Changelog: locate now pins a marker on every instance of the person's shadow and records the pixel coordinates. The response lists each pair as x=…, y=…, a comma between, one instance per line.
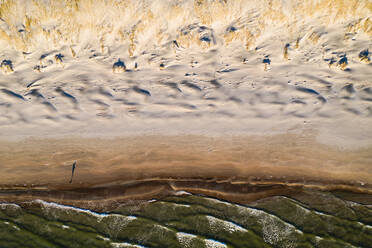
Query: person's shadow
x=73, y=170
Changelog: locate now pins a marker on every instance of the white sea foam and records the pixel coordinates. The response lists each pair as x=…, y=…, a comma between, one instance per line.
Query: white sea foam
x=182, y=193
x=185, y=239
x=9, y=206
x=52, y=205
x=211, y=243
x=218, y=224
x=126, y=245
x=117, y=221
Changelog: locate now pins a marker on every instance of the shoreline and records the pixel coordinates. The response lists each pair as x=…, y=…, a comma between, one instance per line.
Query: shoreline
x=237, y=169
x=106, y=198
x=99, y=161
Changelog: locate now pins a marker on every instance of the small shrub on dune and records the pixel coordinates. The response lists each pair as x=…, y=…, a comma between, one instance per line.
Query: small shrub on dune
x=7, y=66
x=364, y=56
x=118, y=67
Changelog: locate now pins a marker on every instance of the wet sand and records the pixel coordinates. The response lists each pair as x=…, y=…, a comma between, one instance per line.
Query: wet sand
x=239, y=169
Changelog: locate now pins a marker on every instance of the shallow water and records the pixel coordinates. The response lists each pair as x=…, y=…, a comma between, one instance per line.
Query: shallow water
x=311, y=219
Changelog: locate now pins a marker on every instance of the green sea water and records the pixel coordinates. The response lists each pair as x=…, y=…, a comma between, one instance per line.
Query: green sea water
x=315, y=219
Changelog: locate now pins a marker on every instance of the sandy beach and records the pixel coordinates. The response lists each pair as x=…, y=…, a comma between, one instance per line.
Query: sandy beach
x=240, y=169
x=221, y=91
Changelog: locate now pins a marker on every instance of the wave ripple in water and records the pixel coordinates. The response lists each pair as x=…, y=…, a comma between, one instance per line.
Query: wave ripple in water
x=192, y=221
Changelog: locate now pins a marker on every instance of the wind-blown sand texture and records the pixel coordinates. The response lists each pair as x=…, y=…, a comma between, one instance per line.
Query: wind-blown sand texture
x=197, y=95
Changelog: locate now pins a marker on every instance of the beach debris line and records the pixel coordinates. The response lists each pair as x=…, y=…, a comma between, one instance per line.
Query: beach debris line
x=73, y=170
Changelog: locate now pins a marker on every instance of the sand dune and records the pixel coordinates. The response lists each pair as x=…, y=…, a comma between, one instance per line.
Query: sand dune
x=322, y=74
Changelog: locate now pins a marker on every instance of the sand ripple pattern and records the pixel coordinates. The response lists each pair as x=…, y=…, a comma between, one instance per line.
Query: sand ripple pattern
x=214, y=60
x=236, y=94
